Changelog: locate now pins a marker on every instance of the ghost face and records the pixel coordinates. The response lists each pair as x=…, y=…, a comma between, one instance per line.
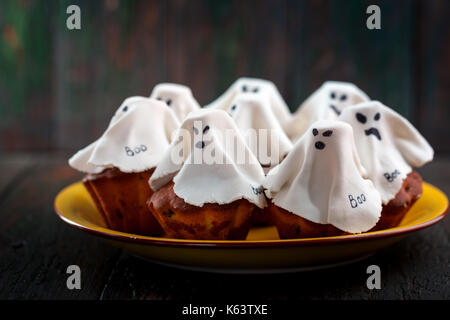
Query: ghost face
x=166, y=99
x=199, y=133
x=249, y=88
x=170, y=94
x=370, y=122
x=338, y=99
x=176, y=97
x=319, y=144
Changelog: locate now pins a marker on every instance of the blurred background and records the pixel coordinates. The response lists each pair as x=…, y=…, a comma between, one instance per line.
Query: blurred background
x=59, y=87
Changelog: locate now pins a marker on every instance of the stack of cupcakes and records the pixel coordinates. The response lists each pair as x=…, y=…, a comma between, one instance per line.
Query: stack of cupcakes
x=341, y=164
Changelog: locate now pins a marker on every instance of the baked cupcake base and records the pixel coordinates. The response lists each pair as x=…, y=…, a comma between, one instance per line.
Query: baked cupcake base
x=181, y=220
x=395, y=210
x=292, y=226
x=121, y=199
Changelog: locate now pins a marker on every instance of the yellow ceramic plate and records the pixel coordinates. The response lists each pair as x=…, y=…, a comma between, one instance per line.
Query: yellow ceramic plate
x=263, y=251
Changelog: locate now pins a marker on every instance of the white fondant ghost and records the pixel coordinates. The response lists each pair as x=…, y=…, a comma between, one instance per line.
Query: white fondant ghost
x=210, y=162
x=177, y=97
x=79, y=161
x=255, y=86
x=137, y=136
x=321, y=180
x=388, y=145
x=260, y=129
x=326, y=103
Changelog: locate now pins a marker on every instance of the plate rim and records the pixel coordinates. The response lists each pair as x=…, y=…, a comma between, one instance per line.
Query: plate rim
x=168, y=242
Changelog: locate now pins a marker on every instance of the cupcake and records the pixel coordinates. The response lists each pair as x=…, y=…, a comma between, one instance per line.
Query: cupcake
x=319, y=189
x=120, y=162
x=256, y=87
x=177, y=97
x=208, y=183
x=389, y=147
x=326, y=103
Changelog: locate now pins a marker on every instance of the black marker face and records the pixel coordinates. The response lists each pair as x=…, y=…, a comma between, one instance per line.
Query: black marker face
x=372, y=130
x=201, y=144
x=246, y=88
x=125, y=109
x=361, y=118
x=320, y=145
x=338, y=101
x=168, y=101
x=232, y=110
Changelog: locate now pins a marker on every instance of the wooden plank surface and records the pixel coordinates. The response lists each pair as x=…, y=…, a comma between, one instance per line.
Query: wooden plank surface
x=36, y=248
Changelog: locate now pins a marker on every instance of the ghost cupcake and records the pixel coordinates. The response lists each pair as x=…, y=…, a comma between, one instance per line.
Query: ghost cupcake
x=319, y=189
x=389, y=147
x=326, y=103
x=122, y=160
x=208, y=182
x=177, y=97
x=256, y=87
x=263, y=135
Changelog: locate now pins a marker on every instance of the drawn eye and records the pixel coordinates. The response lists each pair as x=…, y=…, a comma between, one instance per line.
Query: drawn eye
x=315, y=132
x=233, y=108
x=169, y=102
x=244, y=88
x=124, y=109
x=343, y=97
x=361, y=118
x=332, y=95
x=206, y=129
x=158, y=98
x=255, y=90
x=377, y=116
x=200, y=145
x=327, y=133
x=195, y=130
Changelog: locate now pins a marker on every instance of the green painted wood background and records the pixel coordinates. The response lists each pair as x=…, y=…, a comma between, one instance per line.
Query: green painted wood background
x=59, y=88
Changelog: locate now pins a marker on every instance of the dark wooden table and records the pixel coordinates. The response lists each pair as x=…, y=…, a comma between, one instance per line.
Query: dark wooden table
x=36, y=248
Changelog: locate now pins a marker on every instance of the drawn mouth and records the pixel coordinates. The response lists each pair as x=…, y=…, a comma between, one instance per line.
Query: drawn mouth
x=319, y=145
x=338, y=112
x=373, y=131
